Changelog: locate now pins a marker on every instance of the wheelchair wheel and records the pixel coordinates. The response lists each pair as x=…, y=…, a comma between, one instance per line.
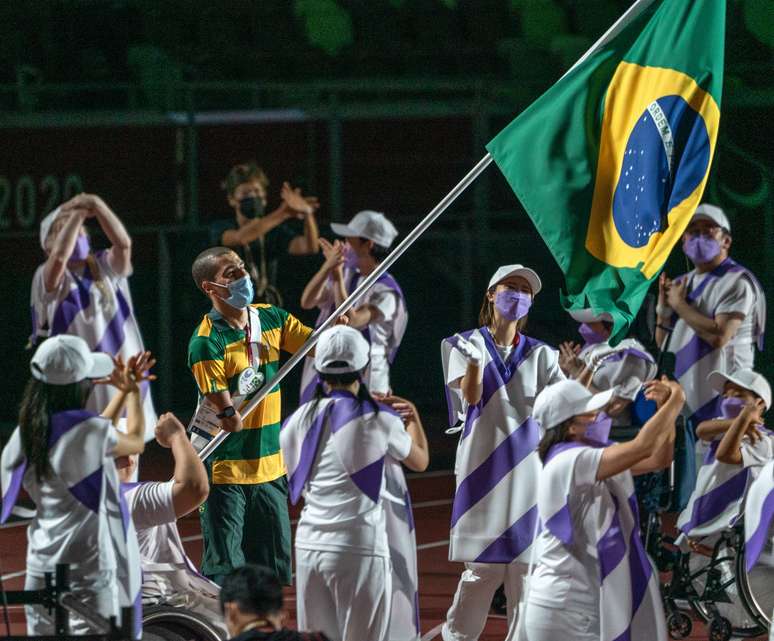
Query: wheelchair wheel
x=679, y=625
x=177, y=624
x=757, y=586
x=718, y=583
x=719, y=629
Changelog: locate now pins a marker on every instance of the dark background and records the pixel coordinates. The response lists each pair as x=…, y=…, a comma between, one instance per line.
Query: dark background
x=381, y=104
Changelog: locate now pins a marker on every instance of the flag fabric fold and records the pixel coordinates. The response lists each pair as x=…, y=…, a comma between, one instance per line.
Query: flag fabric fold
x=611, y=162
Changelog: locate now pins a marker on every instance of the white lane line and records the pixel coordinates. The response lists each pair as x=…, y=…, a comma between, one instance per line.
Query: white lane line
x=14, y=575
x=434, y=544
x=432, y=503
x=432, y=634
x=5, y=526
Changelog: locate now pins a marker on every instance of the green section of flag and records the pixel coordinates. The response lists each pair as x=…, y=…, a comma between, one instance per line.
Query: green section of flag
x=549, y=153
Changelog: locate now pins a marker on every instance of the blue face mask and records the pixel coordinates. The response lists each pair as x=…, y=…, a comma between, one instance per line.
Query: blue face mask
x=241, y=291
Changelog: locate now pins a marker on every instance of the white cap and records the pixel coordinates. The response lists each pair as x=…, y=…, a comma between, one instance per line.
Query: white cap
x=516, y=270
x=373, y=225
x=706, y=211
x=565, y=399
x=746, y=378
x=66, y=359
x=45, y=225
x=341, y=344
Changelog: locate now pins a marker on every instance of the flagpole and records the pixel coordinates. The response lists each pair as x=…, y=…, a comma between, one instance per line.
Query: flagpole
x=361, y=289
x=630, y=14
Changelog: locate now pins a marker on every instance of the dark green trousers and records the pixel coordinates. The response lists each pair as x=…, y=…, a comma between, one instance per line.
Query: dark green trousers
x=246, y=524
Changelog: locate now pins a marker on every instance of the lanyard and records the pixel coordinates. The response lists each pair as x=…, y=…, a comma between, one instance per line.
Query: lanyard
x=249, y=338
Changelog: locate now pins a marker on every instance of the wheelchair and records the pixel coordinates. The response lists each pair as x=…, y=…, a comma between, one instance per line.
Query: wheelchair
x=716, y=587
x=168, y=623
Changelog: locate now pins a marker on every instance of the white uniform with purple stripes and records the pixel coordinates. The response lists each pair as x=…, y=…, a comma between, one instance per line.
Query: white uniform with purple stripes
x=494, y=511
x=82, y=518
x=383, y=334
x=101, y=314
x=626, y=366
x=729, y=288
x=169, y=577
x=355, y=543
x=716, y=501
x=593, y=579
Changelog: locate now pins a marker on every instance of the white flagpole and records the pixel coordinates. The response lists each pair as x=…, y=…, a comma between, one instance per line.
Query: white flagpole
x=382, y=267
x=635, y=10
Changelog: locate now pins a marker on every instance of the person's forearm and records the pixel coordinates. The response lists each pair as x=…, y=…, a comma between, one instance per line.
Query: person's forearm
x=706, y=327
x=417, y=433
x=222, y=400
x=311, y=233
x=189, y=469
x=259, y=227
x=651, y=433
x=471, y=384
x=708, y=430
x=133, y=440
x=359, y=317
x=312, y=293
x=113, y=410
x=113, y=227
x=61, y=250
x=730, y=445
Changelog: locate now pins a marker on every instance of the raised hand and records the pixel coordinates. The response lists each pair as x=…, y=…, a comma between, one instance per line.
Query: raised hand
x=472, y=352
x=140, y=365
x=296, y=201
x=333, y=252
x=676, y=293
x=402, y=406
x=168, y=428
x=569, y=361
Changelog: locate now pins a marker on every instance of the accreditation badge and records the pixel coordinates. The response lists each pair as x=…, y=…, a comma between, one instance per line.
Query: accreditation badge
x=250, y=381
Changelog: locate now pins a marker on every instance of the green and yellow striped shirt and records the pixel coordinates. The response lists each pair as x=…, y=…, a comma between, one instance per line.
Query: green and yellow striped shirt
x=217, y=354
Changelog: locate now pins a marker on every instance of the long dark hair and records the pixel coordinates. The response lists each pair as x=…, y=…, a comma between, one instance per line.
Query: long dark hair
x=41, y=401
x=553, y=436
x=346, y=378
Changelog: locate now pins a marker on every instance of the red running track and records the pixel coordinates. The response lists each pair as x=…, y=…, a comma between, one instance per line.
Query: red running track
x=431, y=494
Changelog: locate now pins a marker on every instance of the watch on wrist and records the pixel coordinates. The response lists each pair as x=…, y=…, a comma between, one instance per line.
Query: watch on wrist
x=227, y=412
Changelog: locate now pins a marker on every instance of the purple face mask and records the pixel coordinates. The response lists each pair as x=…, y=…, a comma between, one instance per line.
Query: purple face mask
x=598, y=432
x=701, y=249
x=731, y=406
x=513, y=305
x=350, y=257
x=590, y=336
x=81, y=249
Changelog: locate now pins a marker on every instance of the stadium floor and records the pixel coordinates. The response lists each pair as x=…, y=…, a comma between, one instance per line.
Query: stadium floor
x=431, y=494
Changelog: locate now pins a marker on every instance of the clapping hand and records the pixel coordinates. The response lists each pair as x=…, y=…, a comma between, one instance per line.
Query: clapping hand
x=334, y=254
x=569, y=361
x=660, y=390
x=126, y=377
x=294, y=200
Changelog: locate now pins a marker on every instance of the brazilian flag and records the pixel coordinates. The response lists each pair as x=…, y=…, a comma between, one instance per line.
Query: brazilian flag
x=611, y=162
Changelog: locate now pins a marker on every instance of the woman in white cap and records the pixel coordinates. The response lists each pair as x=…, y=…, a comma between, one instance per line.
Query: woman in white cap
x=593, y=579
x=736, y=446
x=341, y=451
x=380, y=314
x=492, y=375
x=84, y=292
x=64, y=455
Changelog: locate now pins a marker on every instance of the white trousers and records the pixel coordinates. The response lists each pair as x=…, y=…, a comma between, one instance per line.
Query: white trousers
x=345, y=596
x=467, y=615
x=559, y=624
x=98, y=592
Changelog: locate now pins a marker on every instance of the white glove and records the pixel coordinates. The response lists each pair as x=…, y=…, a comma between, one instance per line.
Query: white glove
x=471, y=352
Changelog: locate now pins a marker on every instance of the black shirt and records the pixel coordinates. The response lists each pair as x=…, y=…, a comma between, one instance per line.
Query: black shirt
x=279, y=635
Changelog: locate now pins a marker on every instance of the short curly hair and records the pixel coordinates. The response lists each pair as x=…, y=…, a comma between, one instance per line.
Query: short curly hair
x=244, y=173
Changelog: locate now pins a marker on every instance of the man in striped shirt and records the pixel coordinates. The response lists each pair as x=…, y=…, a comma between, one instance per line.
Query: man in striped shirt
x=245, y=519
